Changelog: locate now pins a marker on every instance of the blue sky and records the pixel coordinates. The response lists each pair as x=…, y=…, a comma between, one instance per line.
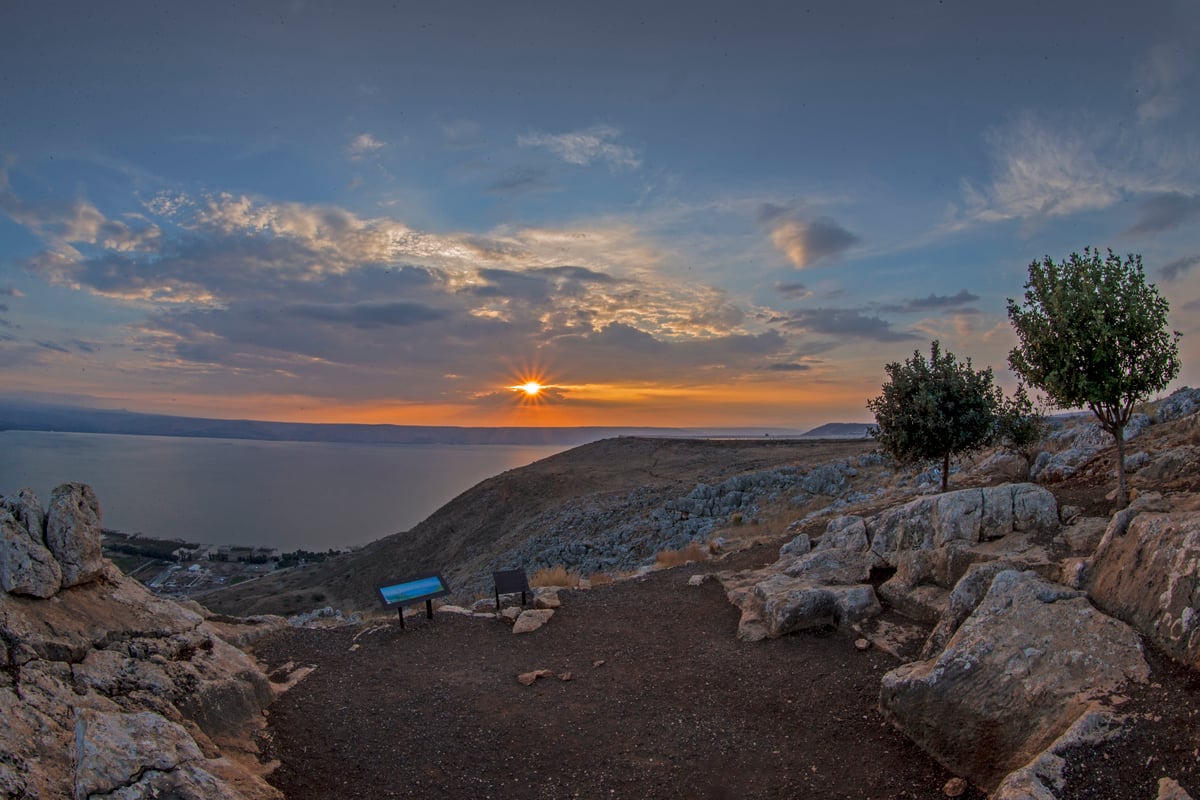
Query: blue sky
x=670, y=213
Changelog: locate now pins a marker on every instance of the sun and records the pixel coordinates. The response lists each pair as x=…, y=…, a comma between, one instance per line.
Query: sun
x=532, y=389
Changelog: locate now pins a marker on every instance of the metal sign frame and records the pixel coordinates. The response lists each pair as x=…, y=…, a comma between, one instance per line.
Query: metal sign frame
x=412, y=590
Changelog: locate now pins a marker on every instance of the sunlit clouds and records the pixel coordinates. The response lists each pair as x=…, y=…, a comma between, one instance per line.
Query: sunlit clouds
x=614, y=214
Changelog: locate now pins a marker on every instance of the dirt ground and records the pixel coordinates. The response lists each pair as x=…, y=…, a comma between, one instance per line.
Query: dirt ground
x=662, y=702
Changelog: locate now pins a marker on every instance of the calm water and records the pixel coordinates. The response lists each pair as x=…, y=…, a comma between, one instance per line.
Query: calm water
x=232, y=491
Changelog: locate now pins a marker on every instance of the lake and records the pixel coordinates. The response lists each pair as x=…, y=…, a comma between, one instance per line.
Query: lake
x=288, y=495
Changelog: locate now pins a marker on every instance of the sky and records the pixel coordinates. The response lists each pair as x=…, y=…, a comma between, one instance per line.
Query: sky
x=665, y=213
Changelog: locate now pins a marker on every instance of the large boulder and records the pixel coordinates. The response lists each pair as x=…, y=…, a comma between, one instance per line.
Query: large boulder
x=26, y=507
x=73, y=533
x=1147, y=573
x=969, y=515
x=1030, y=645
x=26, y=565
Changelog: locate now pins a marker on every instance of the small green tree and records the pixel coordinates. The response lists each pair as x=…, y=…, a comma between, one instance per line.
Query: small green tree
x=1094, y=334
x=1020, y=426
x=935, y=409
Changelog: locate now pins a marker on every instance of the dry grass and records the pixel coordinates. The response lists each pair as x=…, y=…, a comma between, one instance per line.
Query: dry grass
x=555, y=576
x=674, y=558
x=600, y=578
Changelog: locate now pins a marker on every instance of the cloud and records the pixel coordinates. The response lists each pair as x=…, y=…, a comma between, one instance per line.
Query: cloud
x=368, y=315
x=1158, y=80
x=583, y=147
x=1179, y=267
x=845, y=323
x=788, y=366
x=1165, y=212
x=793, y=291
x=8, y=291
x=524, y=180
x=808, y=242
x=363, y=145
x=934, y=302
x=1042, y=171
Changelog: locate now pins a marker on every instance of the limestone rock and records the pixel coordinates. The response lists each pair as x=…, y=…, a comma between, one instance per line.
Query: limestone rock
x=1030, y=645
x=26, y=566
x=969, y=515
x=844, y=533
x=1149, y=576
x=532, y=620
x=530, y=678
x=27, y=509
x=113, y=749
x=1169, y=789
x=966, y=596
x=1181, y=402
x=1084, y=534
x=1175, y=463
x=1043, y=777
x=793, y=604
x=796, y=547
x=546, y=597
x=73, y=533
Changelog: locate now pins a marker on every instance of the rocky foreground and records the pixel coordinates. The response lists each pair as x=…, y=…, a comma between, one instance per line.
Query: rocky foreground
x=1020, y=616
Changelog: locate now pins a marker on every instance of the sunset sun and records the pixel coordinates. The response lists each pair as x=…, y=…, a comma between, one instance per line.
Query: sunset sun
x=531, y=388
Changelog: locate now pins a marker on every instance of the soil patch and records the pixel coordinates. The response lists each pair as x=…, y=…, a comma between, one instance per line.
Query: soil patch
x=663, y=702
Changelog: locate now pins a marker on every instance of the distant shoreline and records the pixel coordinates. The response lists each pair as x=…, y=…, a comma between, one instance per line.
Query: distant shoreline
x=28, y=416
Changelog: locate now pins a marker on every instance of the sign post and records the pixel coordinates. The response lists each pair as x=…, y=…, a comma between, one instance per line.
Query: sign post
x=401, y=593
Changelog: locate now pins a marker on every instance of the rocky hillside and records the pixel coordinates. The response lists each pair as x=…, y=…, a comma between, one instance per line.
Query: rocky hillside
x=607, y=507
x=106, y=690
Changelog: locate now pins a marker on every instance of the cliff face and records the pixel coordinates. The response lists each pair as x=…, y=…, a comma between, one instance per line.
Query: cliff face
x=105, y=687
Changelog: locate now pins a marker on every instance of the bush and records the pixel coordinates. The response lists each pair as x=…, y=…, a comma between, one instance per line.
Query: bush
x=555, y=576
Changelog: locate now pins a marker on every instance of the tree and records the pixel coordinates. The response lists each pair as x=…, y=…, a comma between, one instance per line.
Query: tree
x=935, y=409
x=1020, y=426
x=1094, y=334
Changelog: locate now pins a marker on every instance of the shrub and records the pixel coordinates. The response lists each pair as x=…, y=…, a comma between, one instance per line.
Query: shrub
x=555, y=576
x=674, y=558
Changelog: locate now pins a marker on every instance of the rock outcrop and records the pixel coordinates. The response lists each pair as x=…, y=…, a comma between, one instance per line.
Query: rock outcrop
x=1031, y=646
x=1146, y=571
x=930, y=542
x=105, y=689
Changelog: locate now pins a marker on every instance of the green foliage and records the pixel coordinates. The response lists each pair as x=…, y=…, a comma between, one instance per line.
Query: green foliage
x=1094, y=334
x=1020, y=425
x=935, y=409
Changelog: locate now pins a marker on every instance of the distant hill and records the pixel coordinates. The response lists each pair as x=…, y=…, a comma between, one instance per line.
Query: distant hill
x=30, y=416
x=840, y=430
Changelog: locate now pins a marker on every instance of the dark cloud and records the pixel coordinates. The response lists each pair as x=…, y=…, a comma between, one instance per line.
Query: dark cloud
x=1192, y=305
x=788, y=366
x=1164, y=212
x=368, y=315
x=51, y=346
x=84, y=347
x=1179, y=267
x=522, y=181
x=7, y=292
x=3, y=308
x=795, y=291
x=503, y=283
x=803, y=240
x=846, y=323
x=934, y=302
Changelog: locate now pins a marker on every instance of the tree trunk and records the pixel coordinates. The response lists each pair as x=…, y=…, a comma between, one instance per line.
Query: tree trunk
x=1122, y=486
x=945, y=471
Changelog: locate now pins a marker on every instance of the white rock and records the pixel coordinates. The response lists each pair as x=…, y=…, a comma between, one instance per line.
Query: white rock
x=532, y=620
